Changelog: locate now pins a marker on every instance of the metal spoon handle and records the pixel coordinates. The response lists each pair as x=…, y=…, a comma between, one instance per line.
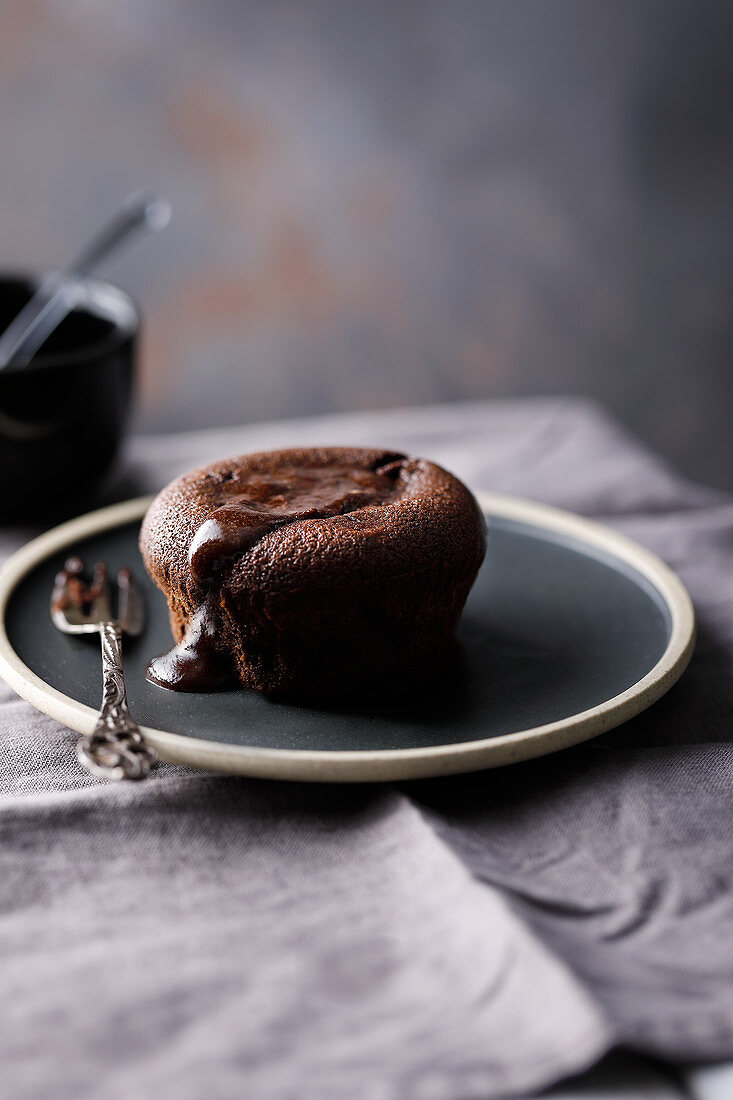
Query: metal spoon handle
x=139, y=211
x=61, y=291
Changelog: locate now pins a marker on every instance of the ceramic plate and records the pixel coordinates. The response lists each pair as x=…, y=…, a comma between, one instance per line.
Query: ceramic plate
x=570, y=630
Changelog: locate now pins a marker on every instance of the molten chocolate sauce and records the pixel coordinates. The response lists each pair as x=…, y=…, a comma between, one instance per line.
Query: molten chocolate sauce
x=271, y=500
x=194, y=664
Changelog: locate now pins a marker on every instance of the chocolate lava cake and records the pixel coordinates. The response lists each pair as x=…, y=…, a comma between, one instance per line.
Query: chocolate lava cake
x=310, y=572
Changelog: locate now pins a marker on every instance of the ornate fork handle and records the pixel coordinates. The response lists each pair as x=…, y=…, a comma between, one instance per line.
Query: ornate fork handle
x=116, y=748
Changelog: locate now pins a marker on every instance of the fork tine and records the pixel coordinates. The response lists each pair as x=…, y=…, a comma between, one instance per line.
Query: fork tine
x=70, y=599
x=74, y=566
x=61, y=599
x=101, y=606
x=70, y=580
x=131, y=610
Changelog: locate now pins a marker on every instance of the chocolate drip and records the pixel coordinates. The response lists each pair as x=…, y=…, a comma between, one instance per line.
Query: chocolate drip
x=194, y=664
x=270, y=501
x=228, y=531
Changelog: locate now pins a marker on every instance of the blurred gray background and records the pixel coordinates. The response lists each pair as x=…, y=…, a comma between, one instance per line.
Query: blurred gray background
x=380, y=203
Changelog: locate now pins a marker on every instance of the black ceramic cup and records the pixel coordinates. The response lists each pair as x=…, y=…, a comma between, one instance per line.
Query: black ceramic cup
x=62, y=416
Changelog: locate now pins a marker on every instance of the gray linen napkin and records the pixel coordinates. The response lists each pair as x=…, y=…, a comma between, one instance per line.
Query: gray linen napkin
x=481, y=936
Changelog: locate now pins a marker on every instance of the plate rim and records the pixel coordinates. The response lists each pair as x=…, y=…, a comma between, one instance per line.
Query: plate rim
x=375, y=765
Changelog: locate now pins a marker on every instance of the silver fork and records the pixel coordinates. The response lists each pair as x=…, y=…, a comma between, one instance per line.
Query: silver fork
x=116, y=748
